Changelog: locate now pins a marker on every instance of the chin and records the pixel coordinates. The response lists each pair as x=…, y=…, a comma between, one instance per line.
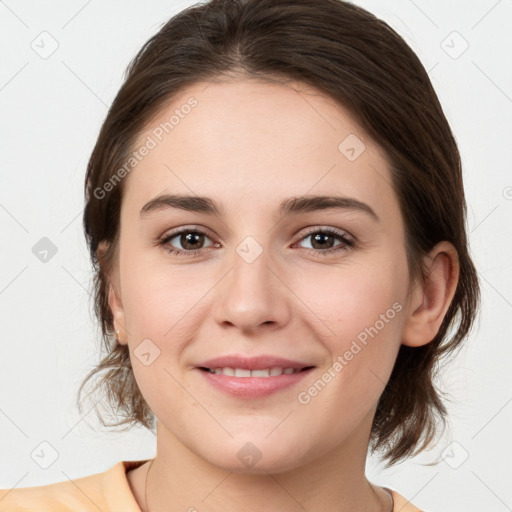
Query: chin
x=256, y=458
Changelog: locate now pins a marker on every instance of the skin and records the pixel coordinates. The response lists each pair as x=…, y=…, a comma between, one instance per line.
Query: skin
x=248, y=145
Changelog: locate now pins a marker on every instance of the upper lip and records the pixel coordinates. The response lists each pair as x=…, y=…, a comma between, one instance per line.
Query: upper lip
x=252, y=363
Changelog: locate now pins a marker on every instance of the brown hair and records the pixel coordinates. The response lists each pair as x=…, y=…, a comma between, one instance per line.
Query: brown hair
x=362, y=63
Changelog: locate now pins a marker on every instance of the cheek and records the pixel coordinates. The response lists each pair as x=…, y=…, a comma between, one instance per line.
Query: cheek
x=347, y=301
x=358, y=319
x=156, y=295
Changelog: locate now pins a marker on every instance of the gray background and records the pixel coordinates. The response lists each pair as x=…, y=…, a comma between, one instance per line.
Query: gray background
x=52, y=107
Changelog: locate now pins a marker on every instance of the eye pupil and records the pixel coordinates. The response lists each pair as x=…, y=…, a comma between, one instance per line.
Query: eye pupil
x=321, y=239
x=191, y=237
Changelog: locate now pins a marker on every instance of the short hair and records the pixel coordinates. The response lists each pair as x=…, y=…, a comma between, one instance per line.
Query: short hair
x=363, y=64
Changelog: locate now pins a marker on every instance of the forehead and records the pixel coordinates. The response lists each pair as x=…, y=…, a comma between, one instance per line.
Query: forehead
x=254, y=142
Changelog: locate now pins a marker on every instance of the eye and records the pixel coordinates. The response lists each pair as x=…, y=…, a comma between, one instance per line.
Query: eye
x=190, y=239
x=323, y=239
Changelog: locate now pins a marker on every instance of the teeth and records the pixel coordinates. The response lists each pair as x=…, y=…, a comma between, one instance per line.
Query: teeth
x=243, y=372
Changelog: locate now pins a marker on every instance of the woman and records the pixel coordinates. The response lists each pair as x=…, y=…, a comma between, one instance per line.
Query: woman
x=275, y=214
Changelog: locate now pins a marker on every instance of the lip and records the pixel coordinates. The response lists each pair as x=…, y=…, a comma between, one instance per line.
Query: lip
x=252, y=363
x=253, y=387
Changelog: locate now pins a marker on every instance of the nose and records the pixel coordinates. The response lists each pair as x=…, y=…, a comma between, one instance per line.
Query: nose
x=253, y=293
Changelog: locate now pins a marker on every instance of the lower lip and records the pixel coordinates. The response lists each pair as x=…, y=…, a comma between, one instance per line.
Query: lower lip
x=253, y=387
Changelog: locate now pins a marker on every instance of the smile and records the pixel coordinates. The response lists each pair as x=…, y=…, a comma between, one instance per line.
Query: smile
x=243, y=372
x=252, y=384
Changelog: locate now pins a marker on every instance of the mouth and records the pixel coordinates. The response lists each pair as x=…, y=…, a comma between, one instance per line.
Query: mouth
x=275, y=371
x=253, y=377
x=258, y=383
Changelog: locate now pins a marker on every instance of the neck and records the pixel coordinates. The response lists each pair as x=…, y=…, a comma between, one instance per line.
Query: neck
x=180, y=477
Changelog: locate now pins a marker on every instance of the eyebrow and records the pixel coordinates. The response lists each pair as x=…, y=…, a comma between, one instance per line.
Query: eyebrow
x=290, y=206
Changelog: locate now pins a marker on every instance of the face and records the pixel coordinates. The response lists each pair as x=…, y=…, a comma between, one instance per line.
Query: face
x=323, y=287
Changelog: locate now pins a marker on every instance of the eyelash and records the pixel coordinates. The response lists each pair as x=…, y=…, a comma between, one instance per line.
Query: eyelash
x=347, y=243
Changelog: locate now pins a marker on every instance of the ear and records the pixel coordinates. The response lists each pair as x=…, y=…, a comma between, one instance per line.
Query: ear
x=431, y=298
x=114, y=297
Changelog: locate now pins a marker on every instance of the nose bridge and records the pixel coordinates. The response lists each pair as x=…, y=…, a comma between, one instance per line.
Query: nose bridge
x=250, y=294
x=251, y=272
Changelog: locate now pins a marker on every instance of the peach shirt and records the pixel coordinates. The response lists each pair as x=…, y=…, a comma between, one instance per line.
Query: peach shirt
x=106, y=492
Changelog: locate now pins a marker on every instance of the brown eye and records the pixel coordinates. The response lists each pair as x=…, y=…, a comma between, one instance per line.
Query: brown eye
x=191, y=242
x=323, y=241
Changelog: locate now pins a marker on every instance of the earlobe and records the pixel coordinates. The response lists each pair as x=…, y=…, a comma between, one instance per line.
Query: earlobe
x=432, y=298
x=116, y=308
x=114, y=301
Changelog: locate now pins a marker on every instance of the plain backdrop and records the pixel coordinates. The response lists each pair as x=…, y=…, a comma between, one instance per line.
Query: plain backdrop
x=62, y=63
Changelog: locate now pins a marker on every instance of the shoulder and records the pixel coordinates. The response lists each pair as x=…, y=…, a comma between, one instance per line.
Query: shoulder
x=101, y=491
x=402, y=504
x=80, y=494
x=84, y=494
